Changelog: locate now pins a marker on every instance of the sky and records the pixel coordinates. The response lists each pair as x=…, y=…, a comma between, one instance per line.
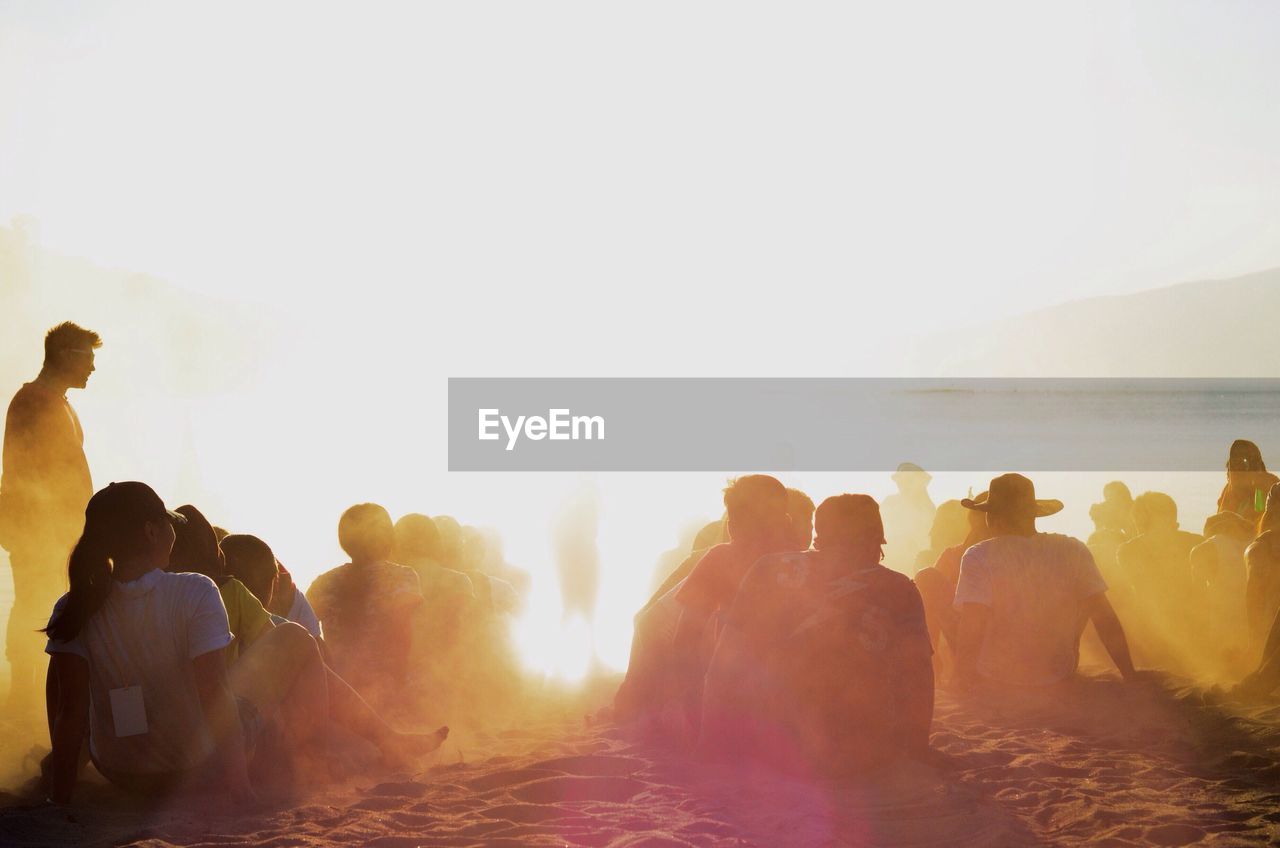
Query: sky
x=805, y=166
x=407, y=192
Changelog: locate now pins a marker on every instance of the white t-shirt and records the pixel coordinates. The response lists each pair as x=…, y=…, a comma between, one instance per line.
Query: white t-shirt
x=1036, y=587
x=146, y=635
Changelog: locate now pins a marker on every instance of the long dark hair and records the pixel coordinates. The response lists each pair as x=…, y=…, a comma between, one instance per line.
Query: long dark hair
x=196, y=547
x=89, y=570
x=114, y=525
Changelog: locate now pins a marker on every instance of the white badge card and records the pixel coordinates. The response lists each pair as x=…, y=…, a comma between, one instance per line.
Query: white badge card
x=128, y=712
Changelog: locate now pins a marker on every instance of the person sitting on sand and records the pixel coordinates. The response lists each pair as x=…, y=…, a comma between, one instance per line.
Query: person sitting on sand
x=937, y=586
x=654, y=625
x=908, y=515
x=1262, y=600
x=196, y=550
x=418, y=545
x=800, y=512
x=1248, y=481
x=799, y=516
x=243, y=568
x=758, y=524
x=823, y=665
x=139, y=663
x=479, y=556
x=1262, y=567
x=1113, y=525
x=251, y=561
x=1156, y=568
x=452, y=631
x=1218, y=572
x=1024, y=596
x=366, y=606
x=667, y=650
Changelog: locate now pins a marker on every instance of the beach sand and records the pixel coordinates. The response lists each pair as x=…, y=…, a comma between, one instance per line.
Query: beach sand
x=1105, y=763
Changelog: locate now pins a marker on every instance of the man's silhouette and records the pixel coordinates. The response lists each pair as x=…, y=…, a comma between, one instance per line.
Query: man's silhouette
x=908, y=515
x=43, y=492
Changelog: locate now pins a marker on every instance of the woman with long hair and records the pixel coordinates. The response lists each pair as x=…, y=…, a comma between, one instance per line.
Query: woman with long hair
x=139, y=663
x=1248, y=481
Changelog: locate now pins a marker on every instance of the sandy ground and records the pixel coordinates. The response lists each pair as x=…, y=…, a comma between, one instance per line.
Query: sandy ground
x=1100, y=762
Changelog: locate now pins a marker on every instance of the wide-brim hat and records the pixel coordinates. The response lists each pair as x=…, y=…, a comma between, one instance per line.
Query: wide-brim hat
x=1013, y=494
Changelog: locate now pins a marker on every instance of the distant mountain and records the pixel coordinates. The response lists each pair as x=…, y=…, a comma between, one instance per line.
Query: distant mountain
x=1210, y=328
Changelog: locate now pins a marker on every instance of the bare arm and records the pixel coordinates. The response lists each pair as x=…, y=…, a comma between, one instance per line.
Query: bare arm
x=223, y=716
x=1111, y=632
x=973, y=631
x=70, y=723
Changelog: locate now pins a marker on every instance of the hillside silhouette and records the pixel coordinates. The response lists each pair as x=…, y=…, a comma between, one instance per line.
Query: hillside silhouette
x=1208, y=328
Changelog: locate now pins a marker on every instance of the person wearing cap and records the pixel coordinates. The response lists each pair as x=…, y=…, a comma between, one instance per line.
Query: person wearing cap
x=140, y=652
x=823, y=665
x=139, y=662
x=908, y=516
x=1024, y=596
x=43, y=491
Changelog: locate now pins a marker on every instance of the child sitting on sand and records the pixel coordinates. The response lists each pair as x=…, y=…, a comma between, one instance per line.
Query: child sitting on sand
x=823, y=665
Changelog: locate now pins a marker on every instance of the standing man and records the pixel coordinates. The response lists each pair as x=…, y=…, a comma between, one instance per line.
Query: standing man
x=44, y=488
x=908, y=516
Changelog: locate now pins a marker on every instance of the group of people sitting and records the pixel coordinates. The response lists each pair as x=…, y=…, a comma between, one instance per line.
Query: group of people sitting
x=792, y=641
x=184, y=656
x=1198, y=603
x=805, y=651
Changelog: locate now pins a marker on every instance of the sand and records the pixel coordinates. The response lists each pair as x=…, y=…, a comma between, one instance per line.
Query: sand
x=1102, y=762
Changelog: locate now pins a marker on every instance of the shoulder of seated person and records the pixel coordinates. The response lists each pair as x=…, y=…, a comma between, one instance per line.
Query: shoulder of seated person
x=326, y=577
x=190, y=578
